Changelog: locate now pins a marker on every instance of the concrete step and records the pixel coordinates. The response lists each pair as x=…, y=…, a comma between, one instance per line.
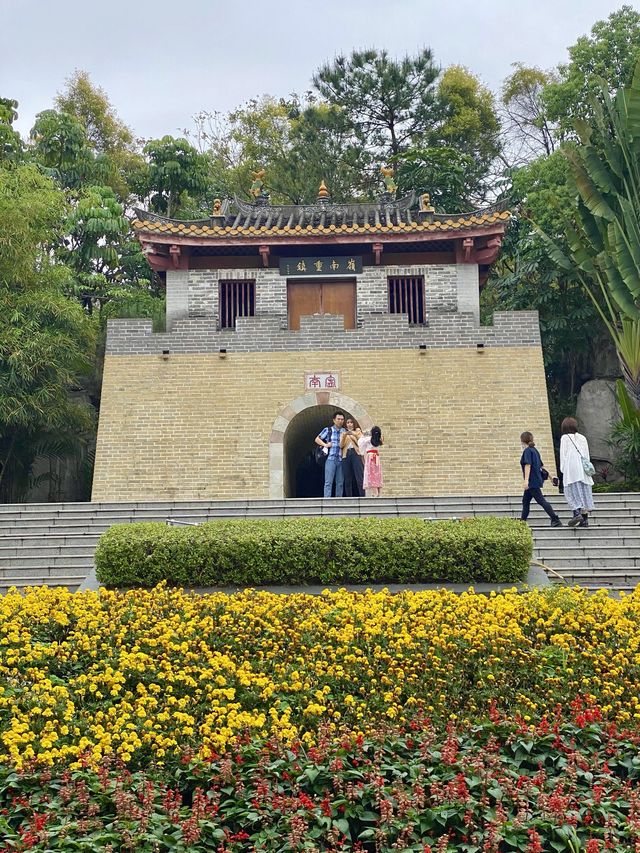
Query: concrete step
x=490, y=503
x=43, y=569
x=8, y=552
x=51, y=542
x=69, y=581
x=80, y=523
x=24, y=561
x=582, y=549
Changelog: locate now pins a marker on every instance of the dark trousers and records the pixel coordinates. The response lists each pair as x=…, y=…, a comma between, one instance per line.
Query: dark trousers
x=537, y=496
x=353, y=474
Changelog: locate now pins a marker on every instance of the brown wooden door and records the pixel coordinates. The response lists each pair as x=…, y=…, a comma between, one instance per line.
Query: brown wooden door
x=339, y=297
x=321, y=297
x=303, y=298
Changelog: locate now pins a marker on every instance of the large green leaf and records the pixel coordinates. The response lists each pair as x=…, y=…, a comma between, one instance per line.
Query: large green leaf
x=589, y=192
x=598, y=171
x=628, y=345
x=633, y=104
x=582, y=255
x=630, y=414
x=627, y=258
x=591, y=227
x=555, y=252
x=617, y=287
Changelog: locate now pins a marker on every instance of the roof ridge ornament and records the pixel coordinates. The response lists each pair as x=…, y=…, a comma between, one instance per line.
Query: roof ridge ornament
x=426, y=211
x=390, y=186
x=258, y=189
x=324, y=196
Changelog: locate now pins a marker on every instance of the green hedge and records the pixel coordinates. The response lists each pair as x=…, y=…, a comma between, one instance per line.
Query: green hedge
x=315, y=550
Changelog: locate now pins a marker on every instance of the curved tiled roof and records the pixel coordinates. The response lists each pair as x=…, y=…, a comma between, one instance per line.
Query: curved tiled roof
x=260, y=221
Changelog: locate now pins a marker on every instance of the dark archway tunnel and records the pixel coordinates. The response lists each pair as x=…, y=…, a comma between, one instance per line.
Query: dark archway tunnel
x=303, y=477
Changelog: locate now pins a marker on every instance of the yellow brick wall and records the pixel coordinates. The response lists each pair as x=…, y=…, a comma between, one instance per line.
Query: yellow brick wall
x=198, y=426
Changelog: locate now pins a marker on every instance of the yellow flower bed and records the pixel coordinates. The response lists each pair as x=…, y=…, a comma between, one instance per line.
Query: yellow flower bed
x=148, y=672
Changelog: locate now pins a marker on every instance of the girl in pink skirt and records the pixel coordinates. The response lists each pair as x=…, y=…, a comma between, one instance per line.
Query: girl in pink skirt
x=369, y=448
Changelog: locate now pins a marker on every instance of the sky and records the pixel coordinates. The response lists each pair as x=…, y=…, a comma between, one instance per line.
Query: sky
x=162, y=62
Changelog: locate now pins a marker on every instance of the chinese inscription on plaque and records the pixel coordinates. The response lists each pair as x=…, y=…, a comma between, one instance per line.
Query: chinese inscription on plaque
x=321, y=381
x=338, y=265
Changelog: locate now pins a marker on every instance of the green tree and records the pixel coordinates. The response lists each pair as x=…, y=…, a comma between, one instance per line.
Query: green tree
x=299, y=144
x=447, y=174
x=60, y=144
x=389, y=102
x=104, y=130
x=177, y=175
x=525, y=278
x=529, y=132
x=106, y=134
x=609, y=54
x=11, y=147
x=466, y=119
x=603, y=236
x=32, y=214
x=453, y=158
x=46, y=340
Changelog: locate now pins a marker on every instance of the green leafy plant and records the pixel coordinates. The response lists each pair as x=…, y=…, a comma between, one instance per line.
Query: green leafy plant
x=314, y=550
x=626, y=435
x=604, y=236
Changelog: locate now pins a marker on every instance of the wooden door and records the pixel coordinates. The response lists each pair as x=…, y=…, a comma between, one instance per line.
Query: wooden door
x=321, y=297
x=339, y=297
x=303, y=298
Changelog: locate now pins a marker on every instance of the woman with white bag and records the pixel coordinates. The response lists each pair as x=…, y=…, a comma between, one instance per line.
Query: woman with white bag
x=576, y=470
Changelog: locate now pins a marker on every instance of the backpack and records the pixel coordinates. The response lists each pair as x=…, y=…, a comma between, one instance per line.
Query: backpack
x=320, y=453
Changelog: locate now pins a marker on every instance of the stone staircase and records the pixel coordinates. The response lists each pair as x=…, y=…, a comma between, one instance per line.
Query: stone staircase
x=54, y=543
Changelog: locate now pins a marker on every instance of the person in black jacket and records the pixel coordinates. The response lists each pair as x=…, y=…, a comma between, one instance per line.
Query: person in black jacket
x=531, y=465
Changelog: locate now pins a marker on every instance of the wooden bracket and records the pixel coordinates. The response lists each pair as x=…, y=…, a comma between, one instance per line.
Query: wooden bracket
x=467, y=248
x=489, y=253
x=264, y=253
x=174, y=251
x=377, y=252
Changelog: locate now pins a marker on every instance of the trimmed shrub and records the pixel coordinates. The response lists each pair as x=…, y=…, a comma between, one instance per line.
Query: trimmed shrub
x=315, y=550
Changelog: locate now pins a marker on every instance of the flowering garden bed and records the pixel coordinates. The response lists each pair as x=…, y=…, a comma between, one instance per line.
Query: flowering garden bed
x=155, y=721
x=496, y=787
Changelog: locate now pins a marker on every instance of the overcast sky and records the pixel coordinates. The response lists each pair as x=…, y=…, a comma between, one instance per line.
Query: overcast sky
x=161, y=62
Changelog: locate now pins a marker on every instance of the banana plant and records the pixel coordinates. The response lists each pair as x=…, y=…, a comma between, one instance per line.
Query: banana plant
x=603, y=235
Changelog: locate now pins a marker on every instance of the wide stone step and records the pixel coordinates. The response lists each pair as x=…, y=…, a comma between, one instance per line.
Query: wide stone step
x=83, y=522
x=84, y=561
x=44, y=542
x=586, y=549
x=69, y=581
x=8, y=552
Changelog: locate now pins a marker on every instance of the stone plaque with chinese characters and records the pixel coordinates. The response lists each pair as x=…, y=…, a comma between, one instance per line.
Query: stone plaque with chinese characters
x=338, y=265
x=321, y=381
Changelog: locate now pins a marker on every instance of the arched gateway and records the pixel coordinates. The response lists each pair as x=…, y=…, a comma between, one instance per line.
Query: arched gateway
x=292, y=440
x=325, y=305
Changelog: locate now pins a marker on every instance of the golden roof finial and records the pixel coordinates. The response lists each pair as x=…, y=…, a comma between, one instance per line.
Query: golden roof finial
x=425, y=204
x=323, y=191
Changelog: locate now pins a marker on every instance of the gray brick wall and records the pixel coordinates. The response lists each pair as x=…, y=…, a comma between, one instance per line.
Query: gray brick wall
x=177, y=296
x=268, y=333
x=441, y=289
x=468, y=289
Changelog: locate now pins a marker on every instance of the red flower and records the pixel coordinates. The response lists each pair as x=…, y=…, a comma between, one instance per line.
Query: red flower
x=534, y=845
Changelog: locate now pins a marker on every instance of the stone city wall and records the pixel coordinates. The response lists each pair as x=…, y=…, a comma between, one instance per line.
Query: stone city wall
x=198, y=425
x=268, y=333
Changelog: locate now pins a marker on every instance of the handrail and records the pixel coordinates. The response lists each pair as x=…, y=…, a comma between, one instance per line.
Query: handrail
x=549, y=569
x=178, y=523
